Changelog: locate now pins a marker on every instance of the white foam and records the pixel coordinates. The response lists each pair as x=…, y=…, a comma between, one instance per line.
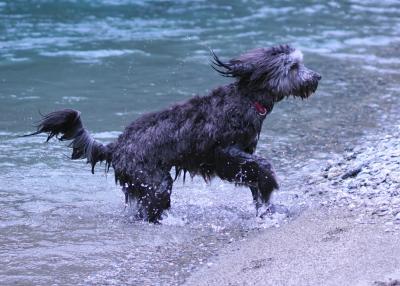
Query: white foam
x=74, y=98
x=92, y=55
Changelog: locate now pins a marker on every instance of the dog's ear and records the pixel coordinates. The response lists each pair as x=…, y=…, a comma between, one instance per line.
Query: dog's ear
x=254, y=66
x=233, y=68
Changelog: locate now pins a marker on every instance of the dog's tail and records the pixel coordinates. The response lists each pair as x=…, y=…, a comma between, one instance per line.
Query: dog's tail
x=67, y=122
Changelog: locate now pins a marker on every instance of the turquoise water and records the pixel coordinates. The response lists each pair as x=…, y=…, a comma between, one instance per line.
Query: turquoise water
x=115, y=60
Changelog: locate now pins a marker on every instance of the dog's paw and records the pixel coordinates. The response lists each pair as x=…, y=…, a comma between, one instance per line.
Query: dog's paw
x=271, y=209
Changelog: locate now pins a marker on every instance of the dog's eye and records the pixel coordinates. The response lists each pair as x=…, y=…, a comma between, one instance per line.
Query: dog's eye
x=294, y=66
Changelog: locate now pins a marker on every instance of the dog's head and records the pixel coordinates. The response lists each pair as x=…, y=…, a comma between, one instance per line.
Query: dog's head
x=278, y=71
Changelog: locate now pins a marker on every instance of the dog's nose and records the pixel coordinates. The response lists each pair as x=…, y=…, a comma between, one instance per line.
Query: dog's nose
x=318, y=76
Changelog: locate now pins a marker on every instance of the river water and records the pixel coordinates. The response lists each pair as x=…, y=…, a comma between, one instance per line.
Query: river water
x=115, y=60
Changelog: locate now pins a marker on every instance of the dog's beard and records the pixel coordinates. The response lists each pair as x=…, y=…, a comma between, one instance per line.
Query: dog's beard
x=305, y=90
x=305, y=83
x=302, y=92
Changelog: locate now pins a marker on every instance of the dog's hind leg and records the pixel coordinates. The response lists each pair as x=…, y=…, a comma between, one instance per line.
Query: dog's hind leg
x=235, y=165
x=152, y=193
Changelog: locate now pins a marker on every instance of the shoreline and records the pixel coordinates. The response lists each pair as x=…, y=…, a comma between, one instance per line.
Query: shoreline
x=350, y=236
x=324, y=246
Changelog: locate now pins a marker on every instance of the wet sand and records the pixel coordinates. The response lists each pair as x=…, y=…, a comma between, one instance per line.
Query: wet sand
x=324, y=246
x=351, y=237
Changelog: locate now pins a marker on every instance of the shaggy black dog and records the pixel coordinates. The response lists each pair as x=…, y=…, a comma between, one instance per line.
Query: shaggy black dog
x=213, y=135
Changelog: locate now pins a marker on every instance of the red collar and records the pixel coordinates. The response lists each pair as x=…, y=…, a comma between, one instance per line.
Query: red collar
x=261, y=109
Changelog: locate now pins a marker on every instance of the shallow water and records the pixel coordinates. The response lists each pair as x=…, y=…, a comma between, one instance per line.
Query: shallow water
x=115, y=60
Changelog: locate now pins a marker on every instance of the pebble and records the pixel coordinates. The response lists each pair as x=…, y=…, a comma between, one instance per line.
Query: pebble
x=365, y=179
x=352, y=173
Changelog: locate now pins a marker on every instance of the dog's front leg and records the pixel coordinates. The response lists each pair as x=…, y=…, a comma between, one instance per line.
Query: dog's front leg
x=235, y=165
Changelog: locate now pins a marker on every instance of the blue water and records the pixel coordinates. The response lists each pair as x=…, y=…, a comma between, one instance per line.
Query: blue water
x=115, y=60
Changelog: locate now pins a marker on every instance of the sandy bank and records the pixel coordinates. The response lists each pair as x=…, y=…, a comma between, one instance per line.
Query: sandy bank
x=352, y=237
x=325, y=246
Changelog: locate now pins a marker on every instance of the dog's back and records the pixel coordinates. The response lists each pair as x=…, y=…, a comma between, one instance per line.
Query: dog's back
x=185, y=135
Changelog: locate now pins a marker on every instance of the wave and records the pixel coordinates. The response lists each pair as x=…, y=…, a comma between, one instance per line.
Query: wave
x=93, y=55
